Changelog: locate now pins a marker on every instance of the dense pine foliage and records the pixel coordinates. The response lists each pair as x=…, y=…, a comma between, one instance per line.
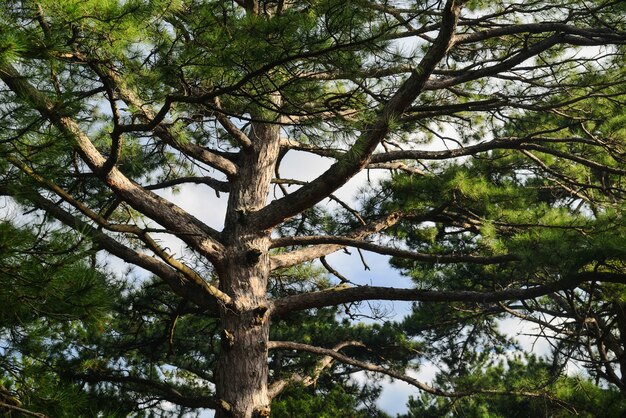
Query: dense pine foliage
x=492, y=134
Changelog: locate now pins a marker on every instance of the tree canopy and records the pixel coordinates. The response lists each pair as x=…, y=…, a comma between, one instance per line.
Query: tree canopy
x=496, y=133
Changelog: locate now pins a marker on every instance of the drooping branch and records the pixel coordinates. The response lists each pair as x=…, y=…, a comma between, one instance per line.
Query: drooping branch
x=556, y=174
x=587, y=327
x=511, y=143
x=424, y=112
x=523, y=55
x=574, y=158
x=324, y=363
x=503, y=143
x=603, y=34
x=198, y=292
x=164, y=390
x=288, y=345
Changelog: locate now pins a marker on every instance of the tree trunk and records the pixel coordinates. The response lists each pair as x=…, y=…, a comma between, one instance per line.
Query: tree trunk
x=242, y=373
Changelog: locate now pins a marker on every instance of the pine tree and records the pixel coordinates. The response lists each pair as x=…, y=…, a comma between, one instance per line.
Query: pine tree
x=498, y=124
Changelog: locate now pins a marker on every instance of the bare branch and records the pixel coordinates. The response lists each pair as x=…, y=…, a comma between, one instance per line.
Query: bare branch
x=396, y=252
x=277, y=387
x=312, y=252
x=331, y=196
x=287, y=345
x=218, y=186
x=332, y=271
x=4, y=405
x=230, y=127
x=341, y=295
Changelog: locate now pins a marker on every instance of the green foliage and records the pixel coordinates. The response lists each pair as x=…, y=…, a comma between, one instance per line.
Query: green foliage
x=527, y=387
x=338, y=401
x=50, y=298
x=45, y=274
x=546, y=195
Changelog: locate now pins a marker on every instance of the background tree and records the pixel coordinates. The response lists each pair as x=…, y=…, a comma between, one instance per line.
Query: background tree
x=499, y=123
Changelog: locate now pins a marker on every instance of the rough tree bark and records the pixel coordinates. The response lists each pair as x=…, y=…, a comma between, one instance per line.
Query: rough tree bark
x=242, y=373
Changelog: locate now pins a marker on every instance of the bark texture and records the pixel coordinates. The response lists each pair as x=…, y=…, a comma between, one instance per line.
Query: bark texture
x=242, y=372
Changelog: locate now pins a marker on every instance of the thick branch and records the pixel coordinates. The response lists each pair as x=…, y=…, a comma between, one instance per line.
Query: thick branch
x=302, y=255
x=188, y=228
x=338, y=296
x=218, y=186
x=360, y=153
x=197, y=292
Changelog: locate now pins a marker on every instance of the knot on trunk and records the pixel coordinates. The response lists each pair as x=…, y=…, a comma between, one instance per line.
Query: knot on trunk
x=241, y=216
x=262, y=412
x=253, y=256
x=228, y=339
x=225, y=406
x=259, y=314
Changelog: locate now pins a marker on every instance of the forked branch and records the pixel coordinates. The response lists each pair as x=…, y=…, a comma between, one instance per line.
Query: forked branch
x=191, y=230
x=361, y=151
x=324, y=363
